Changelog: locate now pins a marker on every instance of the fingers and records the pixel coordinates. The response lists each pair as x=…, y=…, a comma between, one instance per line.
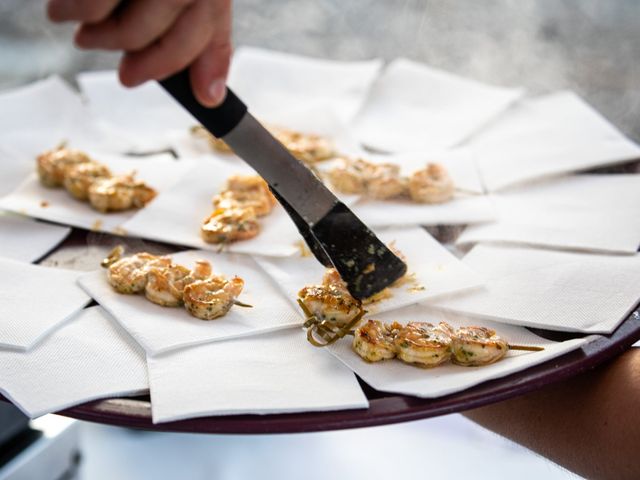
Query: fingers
x=202, y=35
x=209, y=71
x=80, y=10
x=137, y=25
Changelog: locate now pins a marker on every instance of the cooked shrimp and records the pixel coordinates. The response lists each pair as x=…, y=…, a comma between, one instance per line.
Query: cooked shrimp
x=332, y=277
x=373, y=341
x=431, y=185
x=474, y=346
x=350, y=175
x=246, y=191
x=52, y=165
x=119, y=193
x=230, y=225
x=423, y=344
x=211, y=298
x=216, y=144
x=307, y=147
x=165, y=284
x=81, y=176
x=384, y=182
x=331, y=303
x=129, y=274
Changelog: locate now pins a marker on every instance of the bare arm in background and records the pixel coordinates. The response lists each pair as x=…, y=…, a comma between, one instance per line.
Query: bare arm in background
x=589, y=424
x=158, y=38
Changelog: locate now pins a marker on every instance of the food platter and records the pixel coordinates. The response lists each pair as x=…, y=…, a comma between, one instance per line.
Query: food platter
x=83, y=249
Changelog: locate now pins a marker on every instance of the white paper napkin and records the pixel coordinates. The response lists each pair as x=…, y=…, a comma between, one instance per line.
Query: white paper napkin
x=574, y=292
x=55, y=204
x=398, y=377
x=143, y=115
x=184, y=206
x=34, y=300
x=27, y=240
x=548, y=135
x=469, y=204
x=434, y=270
x=586, y=212
x=160, y=329
x=414, y=107
x=89, y=358
x=15, y=167
x=43, y=114
x=279, y=372
x=287, y=79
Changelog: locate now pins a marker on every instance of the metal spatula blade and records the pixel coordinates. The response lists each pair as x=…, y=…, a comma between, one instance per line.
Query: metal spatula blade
x=335, y=235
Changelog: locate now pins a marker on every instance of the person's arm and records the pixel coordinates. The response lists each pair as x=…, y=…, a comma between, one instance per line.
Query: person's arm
x=158, y=38
x=589, y=424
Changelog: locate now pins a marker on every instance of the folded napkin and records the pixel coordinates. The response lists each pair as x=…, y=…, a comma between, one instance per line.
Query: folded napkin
x=413, y=107
x=574, y=292
x=143, y=115
x=545, y=136
x=35, y=300
x=188, y=203
x=584, y=212
x=89, y=358
x=469, y=204
x=27, y=240
x=278, y=372
x=398, y=377
x=45, y=113
x=287, y=79
x=432, y=271
x=55, y=204
x=159, y=329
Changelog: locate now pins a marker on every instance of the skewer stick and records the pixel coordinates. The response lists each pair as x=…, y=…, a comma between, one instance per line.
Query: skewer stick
x=527, y=348
x=241, y=304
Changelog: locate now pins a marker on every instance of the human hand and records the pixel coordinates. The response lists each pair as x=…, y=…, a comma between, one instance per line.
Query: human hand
x=158, y=38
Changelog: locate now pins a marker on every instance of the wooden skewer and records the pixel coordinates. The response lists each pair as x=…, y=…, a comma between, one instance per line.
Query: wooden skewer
x=240, y=304
x=526, y=348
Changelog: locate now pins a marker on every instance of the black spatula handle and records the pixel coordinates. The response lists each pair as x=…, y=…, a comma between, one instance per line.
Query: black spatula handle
x=219, y=120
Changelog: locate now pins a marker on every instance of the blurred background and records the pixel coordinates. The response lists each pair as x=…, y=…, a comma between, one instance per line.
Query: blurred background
x=589, y=46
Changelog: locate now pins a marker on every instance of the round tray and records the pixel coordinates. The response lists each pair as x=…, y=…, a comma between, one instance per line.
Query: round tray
x=84, y=249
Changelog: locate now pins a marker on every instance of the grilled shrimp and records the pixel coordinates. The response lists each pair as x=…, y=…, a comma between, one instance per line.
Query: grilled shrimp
x=475, y=346
x=331, y=303
x=246, y=191
x=230, y=225
x=350, y=175
x=129, y=274
x=213, y=297
x=423, y=344
x=384, y=182
x=306, y=147
x=53, y=164
x=119, y=193
x=165, y=284
x=216, y=144
x=373, y=341
x=431, y=185
x=81, y=176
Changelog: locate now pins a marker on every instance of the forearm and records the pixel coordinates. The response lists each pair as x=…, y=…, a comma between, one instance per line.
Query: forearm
x=589, y=424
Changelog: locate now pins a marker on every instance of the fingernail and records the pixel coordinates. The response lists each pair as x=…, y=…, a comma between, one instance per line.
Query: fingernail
x=217, y=90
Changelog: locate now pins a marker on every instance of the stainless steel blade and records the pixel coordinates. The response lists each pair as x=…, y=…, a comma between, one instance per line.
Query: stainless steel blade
x=284, y=173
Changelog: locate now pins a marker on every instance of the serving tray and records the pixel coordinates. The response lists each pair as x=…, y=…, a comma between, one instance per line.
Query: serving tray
x=83, y=250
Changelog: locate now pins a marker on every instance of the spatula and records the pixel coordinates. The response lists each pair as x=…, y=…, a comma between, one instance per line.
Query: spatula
x=335, y=235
